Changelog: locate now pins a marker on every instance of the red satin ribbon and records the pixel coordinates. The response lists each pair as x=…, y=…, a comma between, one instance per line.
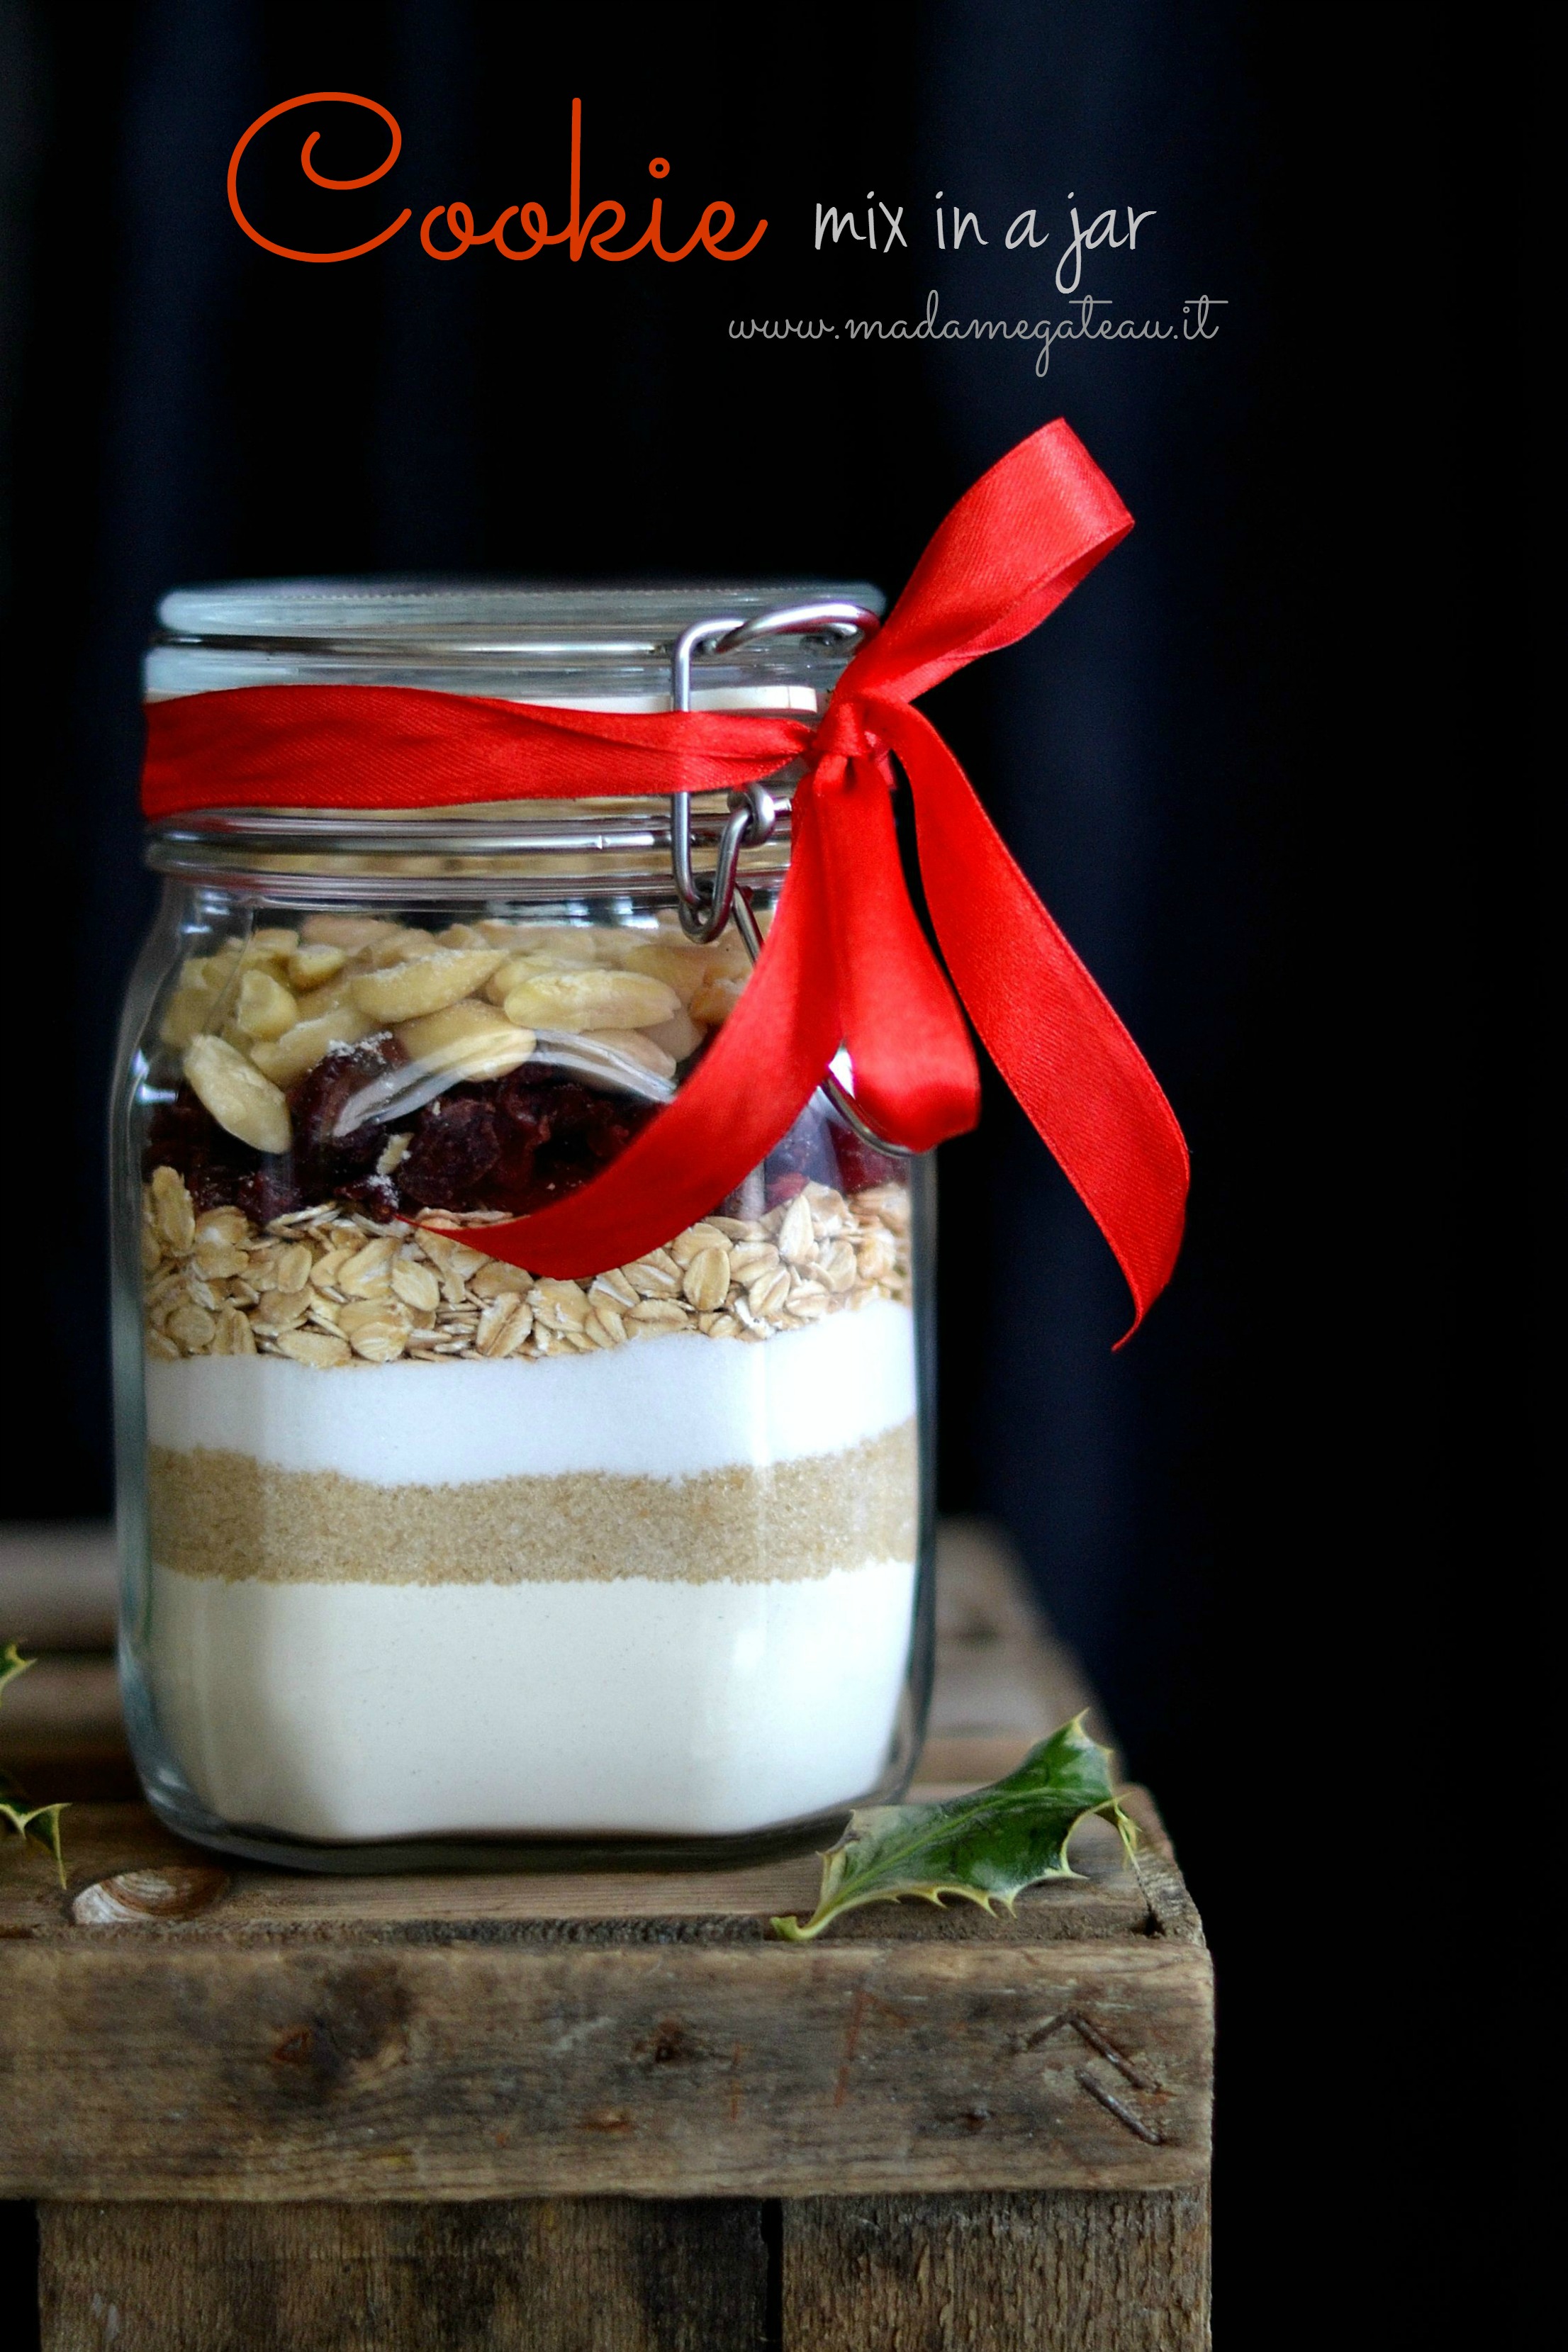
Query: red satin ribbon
x=846, y=960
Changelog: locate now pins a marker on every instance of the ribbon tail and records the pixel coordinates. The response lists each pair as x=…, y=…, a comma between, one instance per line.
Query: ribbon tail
x=915, y=1075
x=748, y=1088
x=1087, y=1089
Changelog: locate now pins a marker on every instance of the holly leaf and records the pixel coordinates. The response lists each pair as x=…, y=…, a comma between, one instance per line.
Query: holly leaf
x=12, y=1664
x=26, y=1821
x=986, y=1846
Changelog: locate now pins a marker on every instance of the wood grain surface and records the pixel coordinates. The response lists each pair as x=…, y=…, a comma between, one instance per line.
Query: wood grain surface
x=1068, y=2273
x=605, y=2109
x=609, y=2274
x=690, y=2069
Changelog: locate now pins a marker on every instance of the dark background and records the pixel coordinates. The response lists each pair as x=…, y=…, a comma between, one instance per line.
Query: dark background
x=1201, y=760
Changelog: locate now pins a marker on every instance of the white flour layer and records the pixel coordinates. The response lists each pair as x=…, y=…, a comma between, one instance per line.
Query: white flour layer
x=343, y=1712
x=668, y=1407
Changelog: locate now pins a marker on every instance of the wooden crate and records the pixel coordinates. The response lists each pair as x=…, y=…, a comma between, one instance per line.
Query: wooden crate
x=610, y=2111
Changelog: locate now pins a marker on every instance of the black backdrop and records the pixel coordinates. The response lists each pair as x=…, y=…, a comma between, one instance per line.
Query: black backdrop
x=1180, y=758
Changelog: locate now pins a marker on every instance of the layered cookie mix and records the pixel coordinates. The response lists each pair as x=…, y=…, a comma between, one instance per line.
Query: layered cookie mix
x=441, y=1548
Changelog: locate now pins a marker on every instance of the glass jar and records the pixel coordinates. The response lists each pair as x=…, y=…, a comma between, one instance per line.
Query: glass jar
x=427, y=1559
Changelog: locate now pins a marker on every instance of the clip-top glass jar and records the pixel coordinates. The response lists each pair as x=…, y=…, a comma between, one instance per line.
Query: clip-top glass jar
x=428, y=1558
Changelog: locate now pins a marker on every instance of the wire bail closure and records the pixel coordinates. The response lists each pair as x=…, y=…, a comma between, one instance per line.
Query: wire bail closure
x=753, y=812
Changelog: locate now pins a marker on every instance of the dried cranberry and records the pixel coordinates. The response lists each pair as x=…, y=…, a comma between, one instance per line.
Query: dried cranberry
x=183, y=1135
x=377, y=1195
x=456, y=1142
x=555, y=1134
x=805, y=1154
x=526, y=1100
x=860, y=1165
x=749, y=1198
x=327, y=1160
x=269, y=1191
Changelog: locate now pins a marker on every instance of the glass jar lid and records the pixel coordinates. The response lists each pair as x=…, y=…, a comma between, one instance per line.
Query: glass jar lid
x=607, y=648
x=603, y=648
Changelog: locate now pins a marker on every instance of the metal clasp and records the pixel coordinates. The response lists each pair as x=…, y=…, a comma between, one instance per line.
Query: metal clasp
x=753, y=814
x=752, y=811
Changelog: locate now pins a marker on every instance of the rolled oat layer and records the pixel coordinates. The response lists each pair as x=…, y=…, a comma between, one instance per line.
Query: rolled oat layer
x=332, y=1287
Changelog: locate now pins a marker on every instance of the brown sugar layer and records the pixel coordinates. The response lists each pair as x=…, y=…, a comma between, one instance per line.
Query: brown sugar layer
x=228, y=1515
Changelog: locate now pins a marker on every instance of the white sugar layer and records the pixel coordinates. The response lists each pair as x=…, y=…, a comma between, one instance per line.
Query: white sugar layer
x=669, y=1407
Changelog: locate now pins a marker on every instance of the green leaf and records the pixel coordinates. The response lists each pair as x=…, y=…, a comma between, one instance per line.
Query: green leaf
x=24, y=1819
x=12, y=1664
x=986, y=1846
x=25, y=1824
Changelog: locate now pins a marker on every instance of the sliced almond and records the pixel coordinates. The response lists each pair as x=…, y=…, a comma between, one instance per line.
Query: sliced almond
x=405, y=940
x=589, y=998
x=562, y=943
x=424, y=984
x=350, y=932
x=635, y=1045
x=273, y=943
x=681, y=968
x=242, y=1100
x=287, y=1058
x=717, y=997
x=468, y=1039
x=314, y=964
x=678, y=1036
x=186, y=1015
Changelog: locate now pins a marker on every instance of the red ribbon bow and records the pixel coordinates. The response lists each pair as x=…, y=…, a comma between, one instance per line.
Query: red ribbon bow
x=846, y=962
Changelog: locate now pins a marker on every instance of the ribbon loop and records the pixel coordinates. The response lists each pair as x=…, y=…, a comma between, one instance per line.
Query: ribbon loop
x=846, y=962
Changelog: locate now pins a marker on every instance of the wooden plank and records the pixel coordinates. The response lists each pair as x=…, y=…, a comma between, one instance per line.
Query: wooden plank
x=1064, y=2273
x=59, y=1584
x=249, y=1904
x=207, y=2071
x=613, y=2273
x=1002, y=1680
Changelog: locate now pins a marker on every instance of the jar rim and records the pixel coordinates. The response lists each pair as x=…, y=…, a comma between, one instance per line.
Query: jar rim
x=521, y=848
x=532, y=641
